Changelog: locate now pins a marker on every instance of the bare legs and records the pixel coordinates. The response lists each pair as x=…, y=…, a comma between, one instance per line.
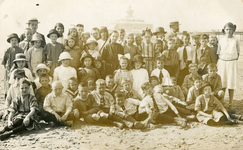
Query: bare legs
x=231, y=96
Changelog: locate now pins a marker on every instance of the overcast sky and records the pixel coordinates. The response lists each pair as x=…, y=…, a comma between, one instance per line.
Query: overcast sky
x=193, y=15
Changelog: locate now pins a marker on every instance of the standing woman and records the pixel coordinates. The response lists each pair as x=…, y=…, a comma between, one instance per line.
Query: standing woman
x=229, y=52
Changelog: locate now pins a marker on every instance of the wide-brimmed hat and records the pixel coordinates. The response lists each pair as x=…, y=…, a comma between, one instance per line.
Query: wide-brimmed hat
x=32, y=20
x=53, y=31
x=86, y=55
x=13, y=35
x=36, y=37
x=19, y=73
x=159, y=30
x=138, y=58
x=42, y=66
x=20, y=57
x=91, y=40
x=174, y=23
x=195, y=34
x=204, y=84
x=64, y=55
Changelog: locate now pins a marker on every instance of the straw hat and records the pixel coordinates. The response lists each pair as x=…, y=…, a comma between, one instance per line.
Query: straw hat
x=32, y=20
x=13, y=35
x=36, y=37
x=64, y=55
x=91, y=40
x=42, y=66
x=20, y=57
x=175, y=23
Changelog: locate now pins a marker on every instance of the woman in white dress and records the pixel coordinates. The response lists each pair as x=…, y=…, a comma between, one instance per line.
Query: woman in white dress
x=229, y=52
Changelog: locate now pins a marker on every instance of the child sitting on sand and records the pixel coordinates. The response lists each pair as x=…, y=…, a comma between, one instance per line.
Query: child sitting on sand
x=72, y=89
x=110, y=84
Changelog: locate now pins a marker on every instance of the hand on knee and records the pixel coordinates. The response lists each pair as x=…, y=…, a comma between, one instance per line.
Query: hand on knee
x=221, y=93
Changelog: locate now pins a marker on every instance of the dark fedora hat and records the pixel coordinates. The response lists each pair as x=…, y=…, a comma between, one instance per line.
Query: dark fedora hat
x=86, y=55
x=174, y=23
x=53, y=31
x=204, y=84
x=159, y=30
x=13, y=35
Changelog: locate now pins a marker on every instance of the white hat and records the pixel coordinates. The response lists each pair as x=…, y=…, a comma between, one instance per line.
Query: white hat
x=42, y=66
x=64, y=55
x=36, y=37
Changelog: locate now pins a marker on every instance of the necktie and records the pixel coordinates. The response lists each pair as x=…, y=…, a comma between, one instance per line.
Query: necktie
x=28, y=46
x=102, y=101
x=161, y=77
x=184, y=54
x=155, y=104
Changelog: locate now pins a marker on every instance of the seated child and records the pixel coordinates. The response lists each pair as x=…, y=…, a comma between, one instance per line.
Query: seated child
x=154, y=80
x=84, y=105
x=126, y=108
x=22, y=112
x=40, y=70
x=128, y=91
x=209, y=109
x=91, y=84
x=215, y=81
x=43, y=91
x=58, y=106
x=110, y=84
x=155, y=108
x=72, y=89
x=64, y=72
x=161, y=73
x=188, y=81
x=193, y=93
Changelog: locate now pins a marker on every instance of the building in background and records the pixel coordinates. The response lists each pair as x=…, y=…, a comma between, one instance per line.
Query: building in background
x=130, y=24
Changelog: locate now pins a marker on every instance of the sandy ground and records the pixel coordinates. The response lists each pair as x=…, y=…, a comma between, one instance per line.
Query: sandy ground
x=85, y=137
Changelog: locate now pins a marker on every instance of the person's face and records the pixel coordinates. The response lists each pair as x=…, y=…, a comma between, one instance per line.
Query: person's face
x=185, y=40
x=71, y=43
x=204, y=42
x=73, y=85
x=95, y=34
x=109, y=82
x=137, y=64
x=159, y=90
x=37, y=44
x=121, y=36
x=104, y=35
x=195, y=40
x=33, y=26
x=92, y=46
x=100, y=89
x=44, y=82
x=212, y=41
x=57, y=89
x=207, y=90
x=160, y=35
x=154, y=82
x=65, y=62
x=73, y=33
x=197, y=83
x=170, y=45
x=212, y=72
x=120, y=101
x=114, y=37
x=14, y=42
x=17, y=79
x=83, y=92
x=138, y=40
x=60, y=30
x=80, y=30
x=158, y=47
x=160, y=64
x=85, y=37
x=53, y=38
x=127, y=86
x=175, y=28
x=24, y=89
x=149, y=90
x=97, y=64
x=130, y=39
x=87, y=62
x=20, y=64
x=193, y=70
x=41, y=72
x=28, y=34
x=91, y=85
x=228, y=31
x=147, y=37
x=123, y=63
x=173, y=80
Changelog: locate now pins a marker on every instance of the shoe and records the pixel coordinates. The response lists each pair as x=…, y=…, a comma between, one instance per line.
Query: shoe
x=104, y=115
x=52, y=124
x=180, y=121
x=118, y=124
x=128, y=124
x=2, y=131
x=235, y=116
x=68, y=123
x=95, y=117
x=6, y=135
x=138, y=125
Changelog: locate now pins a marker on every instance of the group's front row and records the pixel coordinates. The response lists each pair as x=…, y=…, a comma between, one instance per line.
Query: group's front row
x=99, y=106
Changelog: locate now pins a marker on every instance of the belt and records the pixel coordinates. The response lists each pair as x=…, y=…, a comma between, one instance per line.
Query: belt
x=229, y=60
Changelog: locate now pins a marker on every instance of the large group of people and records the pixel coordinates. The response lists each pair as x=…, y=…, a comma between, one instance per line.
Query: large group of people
x=118, y=78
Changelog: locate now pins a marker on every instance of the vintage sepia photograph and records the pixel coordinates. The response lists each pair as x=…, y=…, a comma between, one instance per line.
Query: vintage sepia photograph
x=121, y=75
